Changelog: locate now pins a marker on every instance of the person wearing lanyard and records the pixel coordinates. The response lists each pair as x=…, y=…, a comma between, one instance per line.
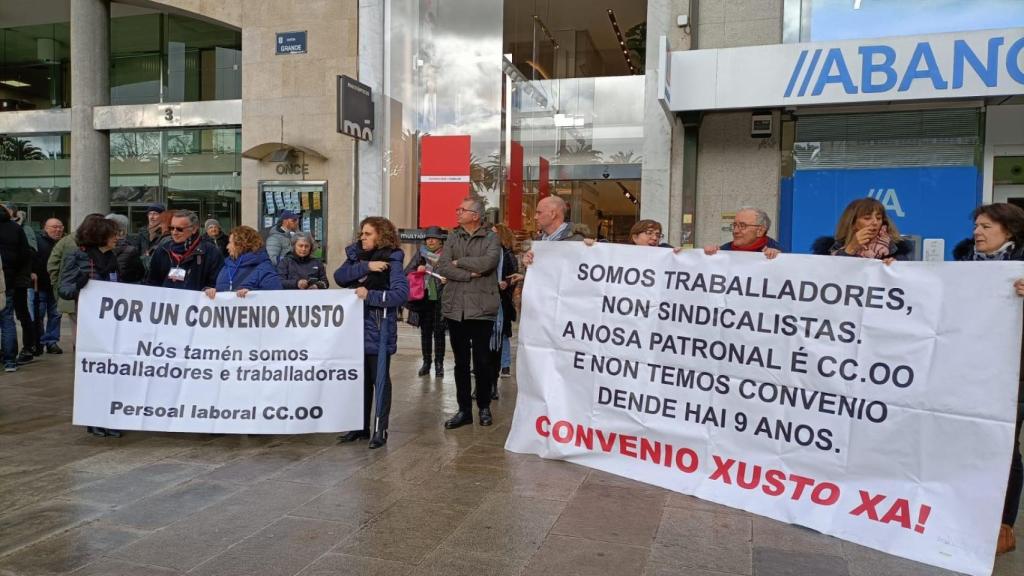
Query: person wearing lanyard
x=248, y=267
x=189, y=261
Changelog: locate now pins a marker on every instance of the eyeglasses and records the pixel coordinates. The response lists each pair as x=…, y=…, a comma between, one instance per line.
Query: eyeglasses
x=742, y=226
x=180, y=229
x=652, y=234
x=460, y=210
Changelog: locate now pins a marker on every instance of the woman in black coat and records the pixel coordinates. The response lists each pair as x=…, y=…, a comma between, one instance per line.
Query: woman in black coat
x=298, y=269
x=95, y=259
x=999, y=236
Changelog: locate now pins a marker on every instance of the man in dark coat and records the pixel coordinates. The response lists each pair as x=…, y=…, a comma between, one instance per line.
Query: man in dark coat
x=189, y=261
x=17, y=266
x=47, y=312
x=750, y=234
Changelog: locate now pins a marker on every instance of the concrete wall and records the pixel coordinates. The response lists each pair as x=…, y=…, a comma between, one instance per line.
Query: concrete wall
x=734, y=169
x=292, y=98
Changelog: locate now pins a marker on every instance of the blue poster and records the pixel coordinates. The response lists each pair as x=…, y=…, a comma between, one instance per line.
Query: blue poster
x=930, y=202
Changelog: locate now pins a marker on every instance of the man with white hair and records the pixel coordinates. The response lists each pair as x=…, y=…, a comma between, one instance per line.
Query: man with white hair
x=749, y=234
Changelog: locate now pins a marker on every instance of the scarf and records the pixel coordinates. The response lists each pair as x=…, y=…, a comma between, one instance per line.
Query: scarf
x=1003, y=253
x=181, y=252
x=376, y=280
x=431, y=258
x=879, y=247
x=756, y=246
x=560, y=233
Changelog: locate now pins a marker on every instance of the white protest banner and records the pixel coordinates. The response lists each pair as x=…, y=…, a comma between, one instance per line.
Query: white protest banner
x=174, y=360
x=873, y=403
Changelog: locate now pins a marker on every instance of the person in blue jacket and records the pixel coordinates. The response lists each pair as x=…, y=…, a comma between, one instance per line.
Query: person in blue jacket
x=373, y=267
x=247, y=266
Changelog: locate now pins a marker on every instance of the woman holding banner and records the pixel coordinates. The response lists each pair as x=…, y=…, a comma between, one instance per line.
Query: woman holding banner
x=373, y=267
x=999, y=236
x=94, y=259
x=865, y=231
x=247, y=266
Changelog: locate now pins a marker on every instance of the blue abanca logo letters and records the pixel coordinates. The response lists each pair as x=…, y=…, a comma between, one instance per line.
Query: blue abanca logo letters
x=879, y=75
x=890, y=201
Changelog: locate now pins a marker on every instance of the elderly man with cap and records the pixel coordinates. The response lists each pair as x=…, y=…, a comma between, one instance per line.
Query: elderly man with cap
x=749, y=234
x=215, y=234
x=432, y=324
x=155, y=233
x=279, y=242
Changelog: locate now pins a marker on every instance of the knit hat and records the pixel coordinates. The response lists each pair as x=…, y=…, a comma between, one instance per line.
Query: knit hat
x=156, y=207
x=212, y=222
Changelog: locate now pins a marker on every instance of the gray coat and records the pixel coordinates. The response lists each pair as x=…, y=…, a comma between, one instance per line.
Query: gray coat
x=466, y=297
x=279, y=243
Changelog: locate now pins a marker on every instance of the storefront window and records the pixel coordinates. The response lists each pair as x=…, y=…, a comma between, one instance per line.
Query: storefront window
x=35, y=67
x=35, y=174
x=824, y=20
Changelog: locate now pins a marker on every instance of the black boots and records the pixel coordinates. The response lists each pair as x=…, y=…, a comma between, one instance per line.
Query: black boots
x=439, y=368
x=425, y=369
x=353, y=436
x=379, y=439
x=458, y=420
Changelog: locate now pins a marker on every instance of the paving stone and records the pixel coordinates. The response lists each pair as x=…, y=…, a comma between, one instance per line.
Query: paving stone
x=547, y=479
x=406, y=532
x=172, y=505
x=567, y=556
x=331, y=466
x=703, y=540
x=111, y=567
x=466, y=488
x=33, y=523
x=67, y=551
x=135, y=484
x=411, y=463
x=444, y=562
x=777, y=535
x=506, y=526
x=612, y=513
x=354, y=503
x=262, y=465
x=45, y=486
x=863, y=561
x=335, y=564
x=198, y=538
x=283, y=548
x=768, y=562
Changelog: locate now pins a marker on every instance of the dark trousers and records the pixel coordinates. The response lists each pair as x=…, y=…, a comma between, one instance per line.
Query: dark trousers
x=471, y=340
x=370, y=371
x=432, y=327
x=1012, y=504
x=28, y=327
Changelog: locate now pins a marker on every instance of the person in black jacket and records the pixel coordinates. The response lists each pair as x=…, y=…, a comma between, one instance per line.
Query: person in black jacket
x=21, y=282
x=215, y=234
x=998, y=237
x=48, y=314
x=17, y=265
x=298, y=269
x=500, y=338
x=188, y=261
x=94, y=260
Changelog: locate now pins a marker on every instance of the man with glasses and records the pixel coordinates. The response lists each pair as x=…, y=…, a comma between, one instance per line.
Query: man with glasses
x=470, y=304
x=47, y=313
x=750, y=234
x=189, y=261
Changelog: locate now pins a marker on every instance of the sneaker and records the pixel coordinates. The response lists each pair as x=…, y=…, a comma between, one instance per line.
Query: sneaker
x=37, y=350
x=506, y=372
x=25, y=356
x=53, y=349
x=11, y=368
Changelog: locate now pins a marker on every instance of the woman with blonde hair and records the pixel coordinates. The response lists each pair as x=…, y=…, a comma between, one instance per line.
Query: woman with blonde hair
x=865, y=231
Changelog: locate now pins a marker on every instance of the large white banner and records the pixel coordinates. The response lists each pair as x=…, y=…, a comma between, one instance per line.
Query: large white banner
x=874, y=403
x=173, y=360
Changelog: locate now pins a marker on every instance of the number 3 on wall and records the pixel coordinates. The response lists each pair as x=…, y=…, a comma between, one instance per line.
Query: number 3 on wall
x=169, y=114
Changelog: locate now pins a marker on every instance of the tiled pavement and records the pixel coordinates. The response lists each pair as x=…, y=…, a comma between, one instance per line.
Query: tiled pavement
x=431, y=502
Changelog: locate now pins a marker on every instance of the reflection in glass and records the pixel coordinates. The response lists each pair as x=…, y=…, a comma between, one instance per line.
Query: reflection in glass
x=35, y=67
x=824, y=20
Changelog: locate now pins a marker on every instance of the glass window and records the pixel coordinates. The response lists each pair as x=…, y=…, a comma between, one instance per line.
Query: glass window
x=35, y=67
x=35, y=174
x=823, y=20
x=135, y=59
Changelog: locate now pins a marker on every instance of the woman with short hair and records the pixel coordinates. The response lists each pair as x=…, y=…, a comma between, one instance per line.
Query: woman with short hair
x=247, y=266
x=373, y=267
x=299, y=269
x=999, y=237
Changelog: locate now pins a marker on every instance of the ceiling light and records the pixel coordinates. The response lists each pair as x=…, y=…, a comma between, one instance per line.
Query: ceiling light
x=15, y=83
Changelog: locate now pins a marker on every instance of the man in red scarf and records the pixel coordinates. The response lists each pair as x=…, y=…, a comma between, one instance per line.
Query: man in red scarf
x=189, y=261
x=750, y=234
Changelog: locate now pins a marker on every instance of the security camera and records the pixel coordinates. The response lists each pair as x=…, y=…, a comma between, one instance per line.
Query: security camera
x=606, y=175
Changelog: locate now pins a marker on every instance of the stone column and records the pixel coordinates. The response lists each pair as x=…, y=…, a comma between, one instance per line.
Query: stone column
x=90, y=86
x=370, y=190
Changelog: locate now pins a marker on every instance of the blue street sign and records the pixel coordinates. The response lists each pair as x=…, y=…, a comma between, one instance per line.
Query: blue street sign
x=291, y=42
